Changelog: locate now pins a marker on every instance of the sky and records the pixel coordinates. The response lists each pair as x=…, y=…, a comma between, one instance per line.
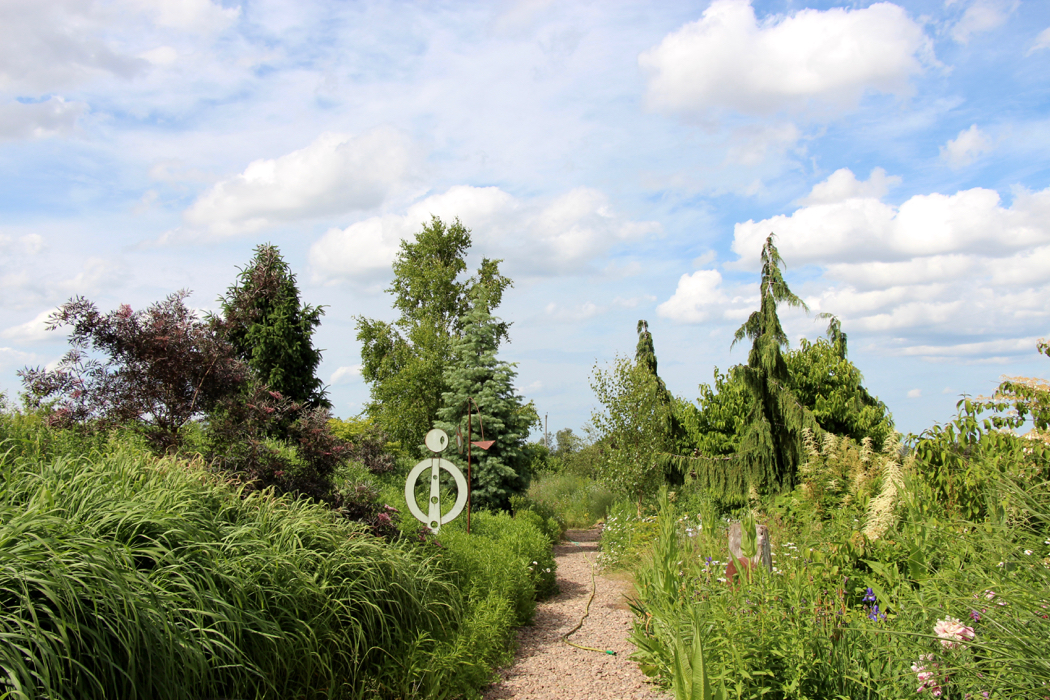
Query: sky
x=625, y=161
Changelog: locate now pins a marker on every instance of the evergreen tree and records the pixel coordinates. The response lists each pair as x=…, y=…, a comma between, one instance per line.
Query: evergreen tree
x=821, y=377
x=771, y=448
x=670, y=407
x=271, y=330
x=404, y=362
x=474, y=372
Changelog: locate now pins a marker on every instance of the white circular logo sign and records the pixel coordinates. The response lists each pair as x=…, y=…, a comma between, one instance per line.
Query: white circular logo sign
x=433, y=518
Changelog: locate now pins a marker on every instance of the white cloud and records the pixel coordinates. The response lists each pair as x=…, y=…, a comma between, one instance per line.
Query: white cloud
x=915, y=393
x=1041, y=42
x=57, y=44
x=843, y=185
x=729, y=60
x=31, y=331
x=752, y=145
x=1010, y=346
x=47, y=46
x=160, y=56
x=52, y=117
x=190, y=15
x=12, y=358
x=982, y=16
x=698, y=297
x=335, y=174
x=970, y=221
x=575, y=313
x=345, y=375
x=563, y=235
x=966, y=147
x=960, y=272
x=27, y=244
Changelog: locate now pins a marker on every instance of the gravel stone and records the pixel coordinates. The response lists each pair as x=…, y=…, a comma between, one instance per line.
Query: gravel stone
x=545, y=668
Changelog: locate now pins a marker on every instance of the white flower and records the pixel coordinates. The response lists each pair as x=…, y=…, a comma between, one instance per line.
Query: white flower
x=1028, y=552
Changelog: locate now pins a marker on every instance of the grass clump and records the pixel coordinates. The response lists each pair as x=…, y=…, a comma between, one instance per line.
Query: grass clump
x=577, y=500
x=132, y=576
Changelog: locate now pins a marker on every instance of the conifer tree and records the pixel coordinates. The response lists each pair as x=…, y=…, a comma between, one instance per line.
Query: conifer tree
x=772, y=448
x=271, y=330
x=475, y=372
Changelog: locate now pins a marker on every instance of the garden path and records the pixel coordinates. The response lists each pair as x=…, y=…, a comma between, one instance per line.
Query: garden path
x=545, y=668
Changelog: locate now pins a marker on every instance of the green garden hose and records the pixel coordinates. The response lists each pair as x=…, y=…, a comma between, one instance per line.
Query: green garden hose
x=586, y=612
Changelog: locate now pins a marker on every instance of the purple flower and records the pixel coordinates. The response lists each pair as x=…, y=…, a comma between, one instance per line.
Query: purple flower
x=869, y=596
x=976, y=616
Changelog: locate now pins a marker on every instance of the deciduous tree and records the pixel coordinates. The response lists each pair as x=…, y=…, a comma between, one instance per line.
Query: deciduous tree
x=157, y=368
x=404, y=362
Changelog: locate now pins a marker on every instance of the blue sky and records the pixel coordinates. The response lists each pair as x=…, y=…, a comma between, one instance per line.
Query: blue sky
x=625, y=160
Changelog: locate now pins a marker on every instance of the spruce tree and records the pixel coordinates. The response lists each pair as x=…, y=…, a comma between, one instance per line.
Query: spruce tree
x=475, y=372
x=271, y=330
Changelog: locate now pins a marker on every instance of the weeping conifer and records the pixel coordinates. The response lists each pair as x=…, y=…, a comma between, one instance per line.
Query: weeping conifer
x=673, y=430
x=771, y=448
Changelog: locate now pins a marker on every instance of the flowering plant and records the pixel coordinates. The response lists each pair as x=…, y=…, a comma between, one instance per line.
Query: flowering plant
x=952, y=632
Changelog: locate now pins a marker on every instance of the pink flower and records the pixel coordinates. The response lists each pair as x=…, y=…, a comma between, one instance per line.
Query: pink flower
x=927, y=679
x=951, y=632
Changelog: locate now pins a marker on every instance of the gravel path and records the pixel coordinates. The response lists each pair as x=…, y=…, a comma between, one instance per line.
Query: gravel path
x=545, y=668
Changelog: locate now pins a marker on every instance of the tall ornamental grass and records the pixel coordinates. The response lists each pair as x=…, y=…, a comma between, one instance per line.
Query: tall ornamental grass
x=123, y=576
x=579, y=501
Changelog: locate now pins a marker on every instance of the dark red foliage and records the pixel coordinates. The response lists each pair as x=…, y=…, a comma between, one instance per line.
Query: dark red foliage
x=369, y=448
x=243, y=431
x=157, y=368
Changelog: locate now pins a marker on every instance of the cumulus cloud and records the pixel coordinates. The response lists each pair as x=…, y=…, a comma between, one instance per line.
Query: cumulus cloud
x=970, y=221
x=561, y=235
x=728, y=60
x=699, y=297
x=915, y=393
x=937, y=271
x=336, y=174
x=982, y=16
x=843, y=185
x=33, y=330
x=52, y=117
x=345, y=375
x=966, y=147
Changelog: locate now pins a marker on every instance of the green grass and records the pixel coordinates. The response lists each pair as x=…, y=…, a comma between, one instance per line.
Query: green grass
x=128, y=576
x=806, y=630
x=579, y=501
